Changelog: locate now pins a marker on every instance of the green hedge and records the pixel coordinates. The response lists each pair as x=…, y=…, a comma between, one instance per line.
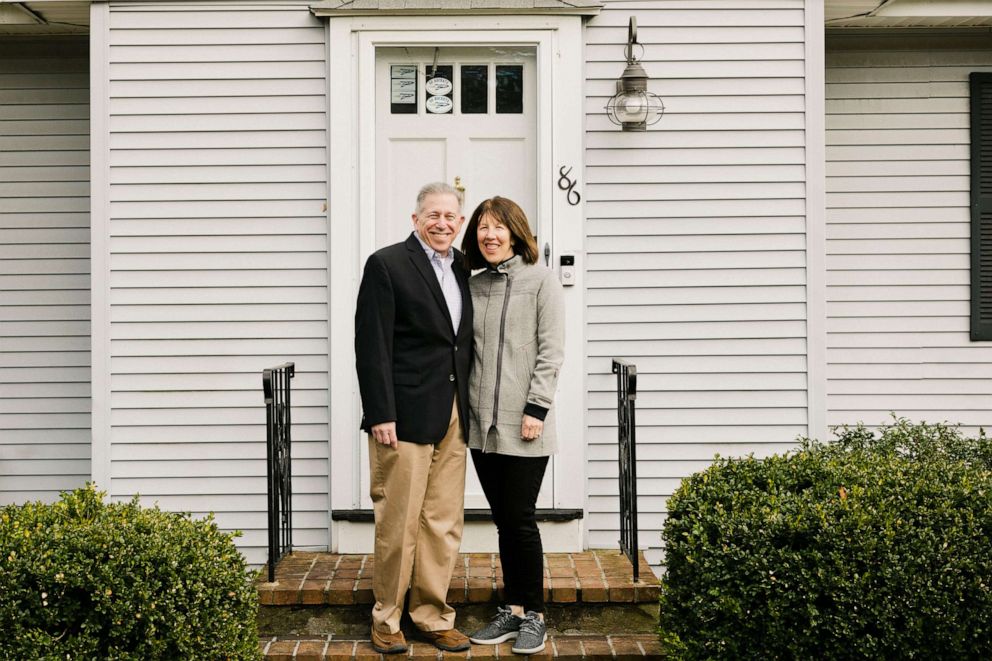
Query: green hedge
x=81, y=579
x=877, y=546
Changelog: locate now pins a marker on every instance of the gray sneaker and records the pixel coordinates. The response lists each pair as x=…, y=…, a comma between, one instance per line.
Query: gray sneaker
x=502, y=628
x=532, y=634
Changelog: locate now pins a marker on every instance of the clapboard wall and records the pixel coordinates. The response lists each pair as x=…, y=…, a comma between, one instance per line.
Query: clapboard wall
x=695, y=246
x=44, y=268
x=217, y=242
x=898, y=230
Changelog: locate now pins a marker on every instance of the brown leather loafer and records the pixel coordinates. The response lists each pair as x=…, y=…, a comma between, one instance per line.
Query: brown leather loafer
x=388, y=643
x=449, y=640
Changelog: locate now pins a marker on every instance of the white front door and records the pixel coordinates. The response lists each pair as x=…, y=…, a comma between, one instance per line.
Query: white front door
x=465, y=116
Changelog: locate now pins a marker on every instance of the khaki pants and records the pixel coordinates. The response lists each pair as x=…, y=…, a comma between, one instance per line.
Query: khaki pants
x=418, y=497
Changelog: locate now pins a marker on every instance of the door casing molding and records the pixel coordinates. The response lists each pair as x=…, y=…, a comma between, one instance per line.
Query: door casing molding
x=351, y=43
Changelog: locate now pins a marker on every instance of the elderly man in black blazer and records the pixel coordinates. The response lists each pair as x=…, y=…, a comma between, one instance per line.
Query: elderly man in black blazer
x=413, y=342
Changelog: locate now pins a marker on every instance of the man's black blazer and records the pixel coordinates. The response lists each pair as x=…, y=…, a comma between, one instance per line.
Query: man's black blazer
x=410, y=361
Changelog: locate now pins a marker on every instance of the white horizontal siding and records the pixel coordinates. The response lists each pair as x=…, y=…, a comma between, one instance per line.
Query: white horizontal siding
x=695, y=247
x=44, y=268
x=218, y=256
x=898, y=234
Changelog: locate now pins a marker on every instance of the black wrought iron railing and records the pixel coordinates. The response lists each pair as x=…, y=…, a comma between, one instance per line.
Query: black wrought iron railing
x=279, y=441
x=627, y=444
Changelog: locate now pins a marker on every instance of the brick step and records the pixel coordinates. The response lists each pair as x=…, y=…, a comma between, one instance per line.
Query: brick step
x=594, y=577
x=587, y=647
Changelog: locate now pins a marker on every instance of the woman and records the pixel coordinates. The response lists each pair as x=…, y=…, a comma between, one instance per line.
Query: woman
x=519, y=347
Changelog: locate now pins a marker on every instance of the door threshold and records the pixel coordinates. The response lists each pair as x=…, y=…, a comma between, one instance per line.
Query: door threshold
x=483, y=514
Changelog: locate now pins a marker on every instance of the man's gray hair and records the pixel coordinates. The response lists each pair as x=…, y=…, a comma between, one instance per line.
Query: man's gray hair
x=438, y=188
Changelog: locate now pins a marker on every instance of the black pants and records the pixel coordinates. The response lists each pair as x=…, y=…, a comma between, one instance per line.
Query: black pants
x=511, y=485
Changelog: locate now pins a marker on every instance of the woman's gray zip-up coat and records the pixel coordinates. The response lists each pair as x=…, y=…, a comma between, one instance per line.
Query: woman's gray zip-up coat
x=519, y=329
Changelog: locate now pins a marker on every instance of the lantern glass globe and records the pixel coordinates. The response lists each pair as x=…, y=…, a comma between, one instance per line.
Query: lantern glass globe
x=632, y=107
x=635, y=109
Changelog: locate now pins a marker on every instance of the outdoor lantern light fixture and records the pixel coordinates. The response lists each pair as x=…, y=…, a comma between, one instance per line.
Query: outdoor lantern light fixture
x=633, y=107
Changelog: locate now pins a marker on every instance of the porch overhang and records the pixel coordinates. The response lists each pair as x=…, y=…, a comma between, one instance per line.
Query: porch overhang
x=44, y=17
x=334, y=8
x=908, y=13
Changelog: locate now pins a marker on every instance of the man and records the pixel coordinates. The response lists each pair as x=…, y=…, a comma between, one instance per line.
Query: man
x=413, y=341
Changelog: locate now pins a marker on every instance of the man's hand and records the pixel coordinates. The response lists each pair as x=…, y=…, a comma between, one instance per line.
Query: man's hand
x=385, y=433
x=531, y=428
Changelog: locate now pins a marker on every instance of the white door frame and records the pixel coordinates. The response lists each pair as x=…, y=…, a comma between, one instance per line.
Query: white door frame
x=351, y=43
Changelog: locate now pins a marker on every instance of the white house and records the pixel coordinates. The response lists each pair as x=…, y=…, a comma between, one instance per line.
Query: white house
x=188, y=191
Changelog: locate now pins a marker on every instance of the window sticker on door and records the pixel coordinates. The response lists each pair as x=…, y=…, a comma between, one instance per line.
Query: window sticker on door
x=439, y=86
x=403, y=89
x=439, y=105
x=440, y=89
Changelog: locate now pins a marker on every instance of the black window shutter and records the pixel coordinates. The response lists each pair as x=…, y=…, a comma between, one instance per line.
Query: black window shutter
x=981, y=206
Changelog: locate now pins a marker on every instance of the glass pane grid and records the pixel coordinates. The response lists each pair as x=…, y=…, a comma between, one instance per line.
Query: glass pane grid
x=478, y=88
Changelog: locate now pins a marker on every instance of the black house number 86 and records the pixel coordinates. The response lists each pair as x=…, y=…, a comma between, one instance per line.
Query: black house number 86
x=567, y=184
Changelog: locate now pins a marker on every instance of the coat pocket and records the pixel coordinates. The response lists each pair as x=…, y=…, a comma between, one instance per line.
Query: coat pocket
x=521, y=373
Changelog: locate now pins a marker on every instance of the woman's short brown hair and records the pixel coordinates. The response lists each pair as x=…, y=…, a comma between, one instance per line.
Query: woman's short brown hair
x=509, y=213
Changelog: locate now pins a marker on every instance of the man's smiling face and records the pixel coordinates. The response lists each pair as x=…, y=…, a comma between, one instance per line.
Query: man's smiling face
x=438, y=221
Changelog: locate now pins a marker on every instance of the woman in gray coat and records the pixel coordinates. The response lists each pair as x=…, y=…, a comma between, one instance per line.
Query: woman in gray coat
x=519, y=346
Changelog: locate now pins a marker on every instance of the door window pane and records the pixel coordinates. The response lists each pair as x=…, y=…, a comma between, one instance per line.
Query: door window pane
x=440, y=90
x=475, y=88
x=509, y=88
x=403, y=89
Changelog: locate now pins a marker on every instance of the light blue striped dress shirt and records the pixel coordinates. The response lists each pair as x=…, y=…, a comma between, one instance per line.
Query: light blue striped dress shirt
x=444, y=270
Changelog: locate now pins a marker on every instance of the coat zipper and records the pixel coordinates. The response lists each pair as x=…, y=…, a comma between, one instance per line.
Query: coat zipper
x=499, y=353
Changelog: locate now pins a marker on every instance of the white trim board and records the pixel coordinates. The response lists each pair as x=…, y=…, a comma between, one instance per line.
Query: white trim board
x=351, y=56
x=338, y=8
x=816, y=224
x=99, y=248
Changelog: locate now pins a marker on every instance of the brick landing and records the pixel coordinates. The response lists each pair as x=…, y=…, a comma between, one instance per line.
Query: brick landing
x=566, y=648
x=601, y=576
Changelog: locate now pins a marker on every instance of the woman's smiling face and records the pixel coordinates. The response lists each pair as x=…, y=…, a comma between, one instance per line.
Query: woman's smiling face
x=495, y=241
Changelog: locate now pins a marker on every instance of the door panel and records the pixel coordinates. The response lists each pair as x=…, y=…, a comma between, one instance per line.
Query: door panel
x=398, y=156
x=491, y=148
x=505, y=166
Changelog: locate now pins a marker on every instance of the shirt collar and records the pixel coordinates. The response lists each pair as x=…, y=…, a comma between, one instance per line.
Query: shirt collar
x=431, y=252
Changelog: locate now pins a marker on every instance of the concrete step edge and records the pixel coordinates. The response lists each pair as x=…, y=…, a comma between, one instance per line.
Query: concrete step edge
x=352, y=623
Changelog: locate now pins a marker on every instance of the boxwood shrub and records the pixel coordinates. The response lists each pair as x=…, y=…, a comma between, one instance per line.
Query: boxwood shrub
x=876, y=546
x=85, y=579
